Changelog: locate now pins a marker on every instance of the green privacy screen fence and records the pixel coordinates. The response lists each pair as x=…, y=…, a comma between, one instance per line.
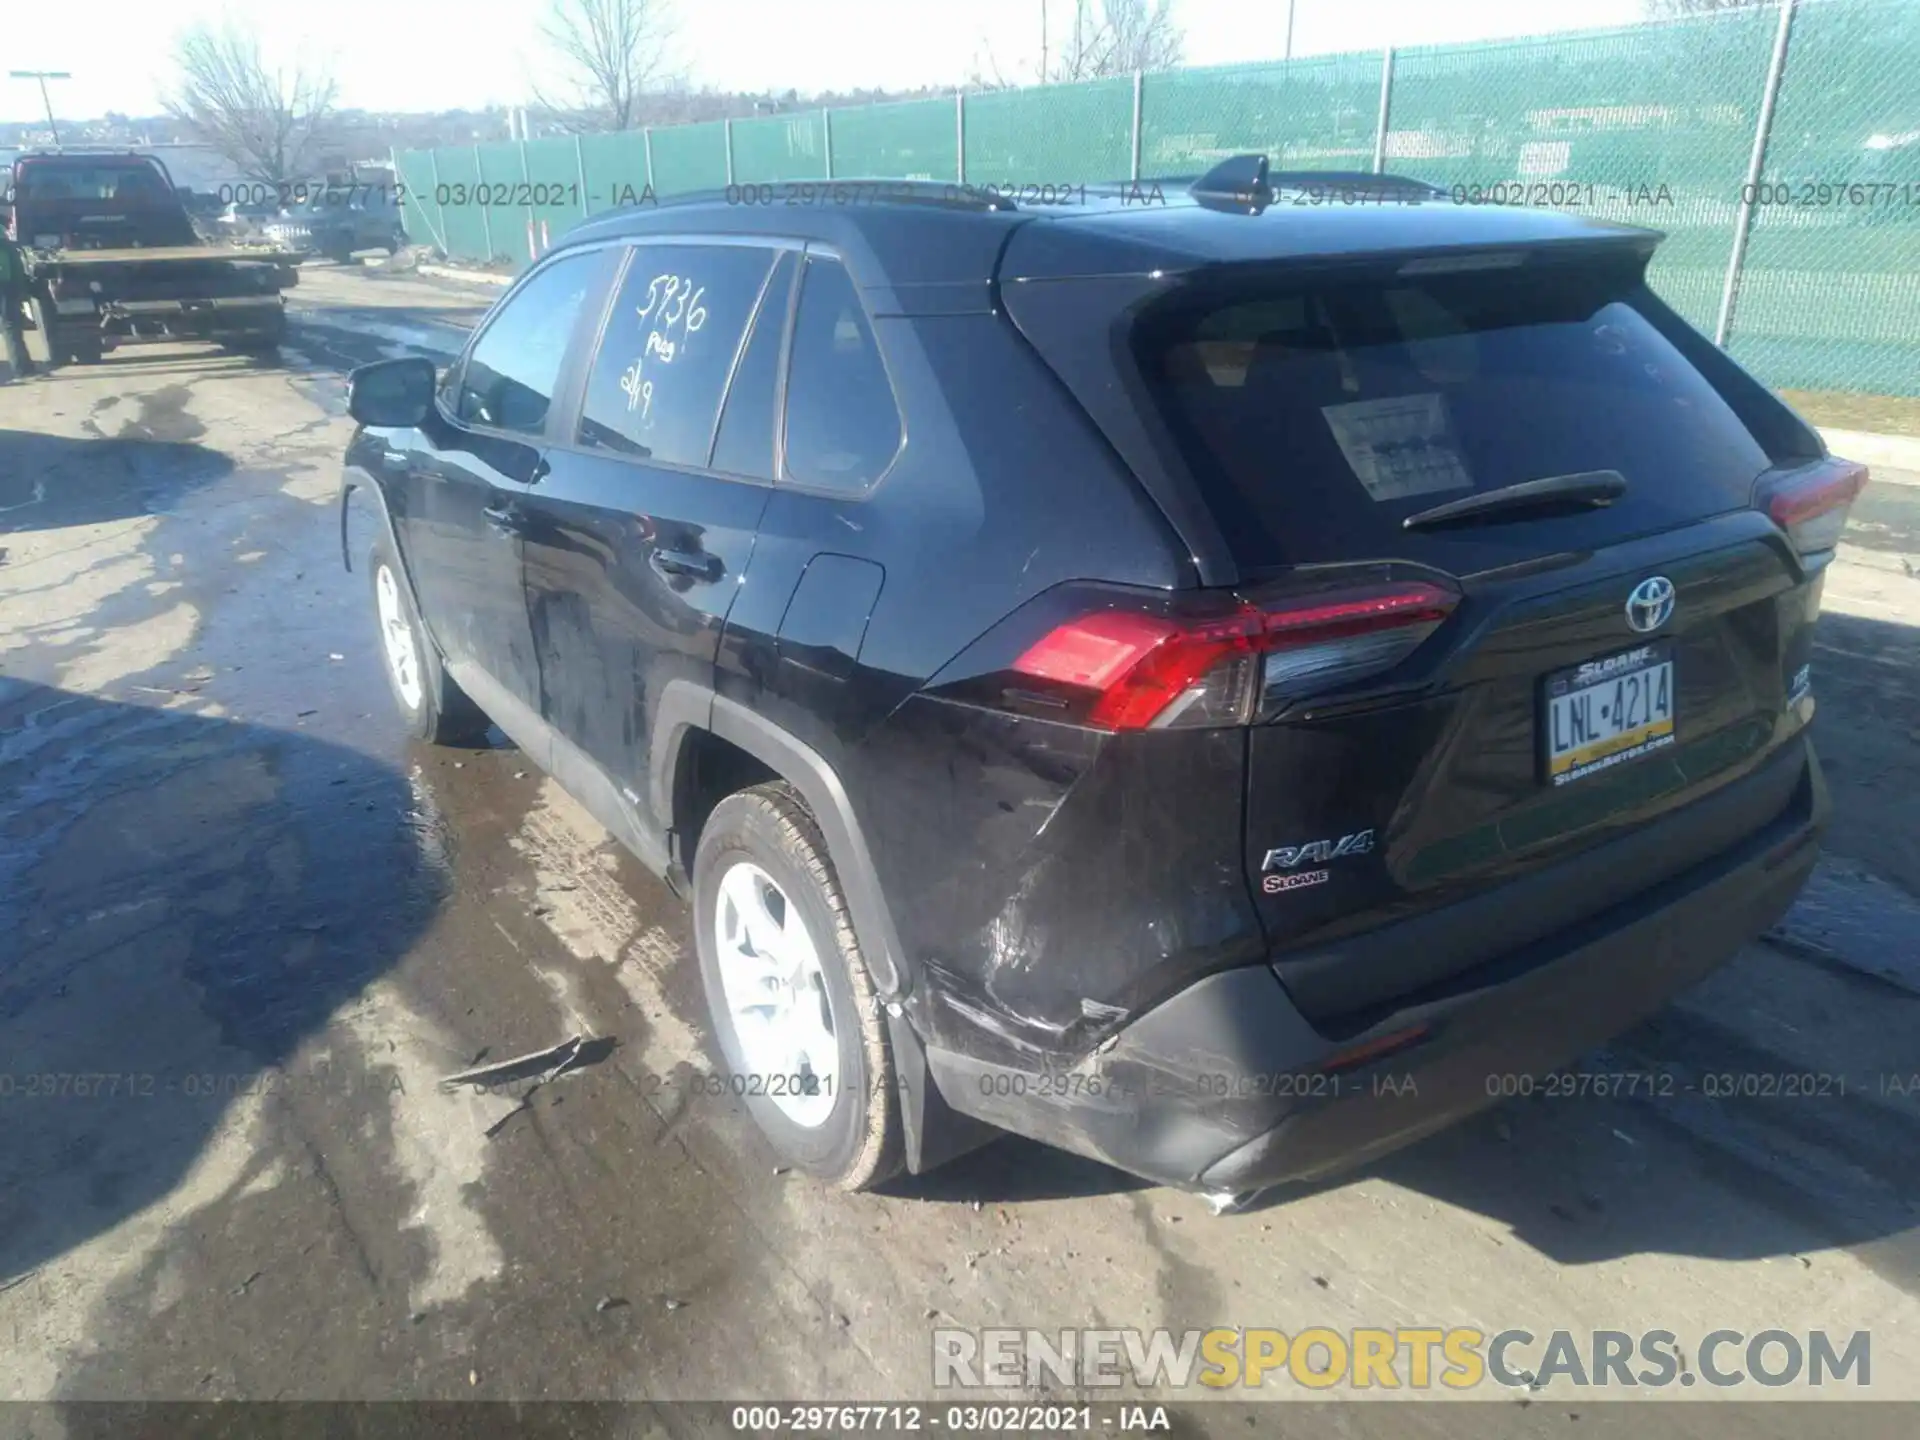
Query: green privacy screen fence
x=1807, y=268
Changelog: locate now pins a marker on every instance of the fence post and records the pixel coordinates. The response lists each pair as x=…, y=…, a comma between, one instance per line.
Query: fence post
x=960, y=135
x=1386, y=112
x=728, y=122
x=486, y=211
x=1756, y=166
x=526, y=179
x=433, y=160
x=826, y=129
x=1136, y=127
x=399, y=189
x=646, y=149
x=580, y=169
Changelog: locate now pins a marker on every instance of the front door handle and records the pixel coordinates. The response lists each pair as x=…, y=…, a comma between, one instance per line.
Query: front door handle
x=505, y=519
x=687, y=564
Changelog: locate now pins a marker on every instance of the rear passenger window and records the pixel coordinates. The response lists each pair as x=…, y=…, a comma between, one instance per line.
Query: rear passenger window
x=654, y=390
x=507, y=382
x=843, y=428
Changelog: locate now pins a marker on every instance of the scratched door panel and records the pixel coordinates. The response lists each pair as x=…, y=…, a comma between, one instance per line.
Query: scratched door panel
x=634, y=549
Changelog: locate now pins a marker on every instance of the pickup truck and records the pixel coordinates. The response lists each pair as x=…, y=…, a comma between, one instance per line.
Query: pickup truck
x=111, y=258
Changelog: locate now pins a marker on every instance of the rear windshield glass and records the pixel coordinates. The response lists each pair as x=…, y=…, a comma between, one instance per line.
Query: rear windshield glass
x=1318, y=417
x=120, y=181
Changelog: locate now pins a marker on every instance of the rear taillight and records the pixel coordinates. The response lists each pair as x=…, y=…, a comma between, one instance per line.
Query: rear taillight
x=1226, y=661
x=1811, y=503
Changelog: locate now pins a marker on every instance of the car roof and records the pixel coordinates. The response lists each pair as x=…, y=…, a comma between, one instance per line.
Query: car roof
x=936, y=247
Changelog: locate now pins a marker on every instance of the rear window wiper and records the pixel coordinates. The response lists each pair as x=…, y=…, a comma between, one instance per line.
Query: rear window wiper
x=1589, y=489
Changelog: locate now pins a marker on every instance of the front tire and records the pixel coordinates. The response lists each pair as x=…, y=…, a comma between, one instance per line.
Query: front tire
x=436, y=709
x=795, y=1011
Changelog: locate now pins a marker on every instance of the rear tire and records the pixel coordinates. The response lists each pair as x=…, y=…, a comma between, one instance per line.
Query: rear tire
x=436, y=709
x=761, y=846
x=64, y=344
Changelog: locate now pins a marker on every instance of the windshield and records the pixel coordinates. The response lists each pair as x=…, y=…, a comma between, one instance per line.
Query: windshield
x=120, y=181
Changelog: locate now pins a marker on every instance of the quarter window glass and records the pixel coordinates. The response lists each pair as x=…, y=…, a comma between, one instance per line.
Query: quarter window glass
x=843, y=429
x=509, y=376
x=745, y=443
x=654, y=390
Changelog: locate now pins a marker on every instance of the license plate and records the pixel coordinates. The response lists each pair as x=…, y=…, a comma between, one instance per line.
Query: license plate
x=1607, y=712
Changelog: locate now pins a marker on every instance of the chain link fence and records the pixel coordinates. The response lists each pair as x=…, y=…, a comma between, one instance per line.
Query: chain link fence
x=1777, y=145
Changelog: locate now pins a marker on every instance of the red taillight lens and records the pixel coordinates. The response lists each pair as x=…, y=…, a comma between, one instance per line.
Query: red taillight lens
x=1811, y=503
x=1141, y=666
x=1151, y=671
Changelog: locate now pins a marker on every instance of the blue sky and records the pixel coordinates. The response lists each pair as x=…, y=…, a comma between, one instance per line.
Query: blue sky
x=435, y=54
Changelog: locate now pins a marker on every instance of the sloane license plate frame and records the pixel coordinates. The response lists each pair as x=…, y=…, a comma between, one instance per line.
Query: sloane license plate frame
x=1606, y=712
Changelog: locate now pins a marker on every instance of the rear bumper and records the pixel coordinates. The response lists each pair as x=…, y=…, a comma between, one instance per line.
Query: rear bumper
x=1227, y=1086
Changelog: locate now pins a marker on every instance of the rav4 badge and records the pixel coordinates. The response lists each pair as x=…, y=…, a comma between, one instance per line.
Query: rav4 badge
x=1286, y=857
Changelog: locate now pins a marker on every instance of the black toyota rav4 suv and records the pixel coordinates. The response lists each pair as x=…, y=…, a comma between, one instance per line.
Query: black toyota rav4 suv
x=1212, y=682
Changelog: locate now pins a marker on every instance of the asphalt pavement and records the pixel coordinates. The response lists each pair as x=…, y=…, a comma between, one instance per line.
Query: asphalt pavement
x=230, y=886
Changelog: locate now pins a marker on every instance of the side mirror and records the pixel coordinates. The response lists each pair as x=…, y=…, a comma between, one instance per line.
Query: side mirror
x=392, y=394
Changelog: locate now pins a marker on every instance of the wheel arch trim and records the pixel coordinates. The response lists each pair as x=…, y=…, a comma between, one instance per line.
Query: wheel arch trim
x=686, y=706
x=934, y=1130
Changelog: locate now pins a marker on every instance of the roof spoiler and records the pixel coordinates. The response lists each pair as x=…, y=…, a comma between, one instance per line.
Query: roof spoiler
x=1245, y=184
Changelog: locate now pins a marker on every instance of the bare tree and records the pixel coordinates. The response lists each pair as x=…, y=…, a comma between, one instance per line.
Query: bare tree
x=268, y=123
x=611, y=52
x=1104, y=38
x=1138, y=35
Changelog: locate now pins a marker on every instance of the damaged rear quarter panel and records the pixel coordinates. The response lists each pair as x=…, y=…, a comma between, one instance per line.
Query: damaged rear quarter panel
x=1047, y=880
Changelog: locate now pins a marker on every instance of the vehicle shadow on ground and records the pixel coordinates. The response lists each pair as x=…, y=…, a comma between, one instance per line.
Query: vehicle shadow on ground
x=51, y=481
x=1012, y=1169
x=185, y=901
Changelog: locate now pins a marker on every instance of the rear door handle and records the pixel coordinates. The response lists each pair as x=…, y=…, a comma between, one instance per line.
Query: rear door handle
x=505, y=519
x=685, y=563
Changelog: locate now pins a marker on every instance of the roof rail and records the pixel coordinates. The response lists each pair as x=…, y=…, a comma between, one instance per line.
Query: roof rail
x=1247, y=184
x=1363, y=180
x=854, y=191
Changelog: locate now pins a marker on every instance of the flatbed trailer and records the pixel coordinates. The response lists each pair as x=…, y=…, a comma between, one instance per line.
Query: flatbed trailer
x=87, y=302
x=111, y=259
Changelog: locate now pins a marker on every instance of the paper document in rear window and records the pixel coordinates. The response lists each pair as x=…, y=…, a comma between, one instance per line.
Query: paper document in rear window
x=1400, y=446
